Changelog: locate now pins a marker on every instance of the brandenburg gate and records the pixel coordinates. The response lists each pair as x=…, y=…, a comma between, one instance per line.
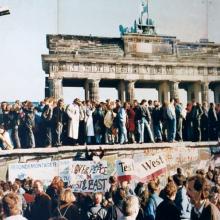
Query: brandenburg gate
x=134, y=60
x=138, y=59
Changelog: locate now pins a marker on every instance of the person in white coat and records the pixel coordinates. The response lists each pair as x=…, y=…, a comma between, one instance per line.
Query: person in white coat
x=89, y=122
x=73, y=121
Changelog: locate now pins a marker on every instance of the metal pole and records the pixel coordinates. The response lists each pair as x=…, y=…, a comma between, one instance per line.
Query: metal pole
x=148, y=11
x=207, y=3
x=207, y=19
x=58, y=17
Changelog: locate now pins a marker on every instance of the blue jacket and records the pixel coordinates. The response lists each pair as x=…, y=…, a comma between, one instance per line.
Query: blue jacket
x=151, y=206
x=183, y=204
x=121, y=115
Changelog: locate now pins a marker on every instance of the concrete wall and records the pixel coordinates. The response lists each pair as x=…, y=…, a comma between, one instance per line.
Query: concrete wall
x=183, y=154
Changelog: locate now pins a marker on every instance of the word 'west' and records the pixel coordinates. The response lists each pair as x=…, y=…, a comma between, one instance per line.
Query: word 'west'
x=150, y=164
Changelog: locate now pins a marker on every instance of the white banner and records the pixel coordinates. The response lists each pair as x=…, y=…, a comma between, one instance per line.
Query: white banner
x=63, y=171
x=125, y=167
x=44, y=171
x=149, y=166
x=88, y=176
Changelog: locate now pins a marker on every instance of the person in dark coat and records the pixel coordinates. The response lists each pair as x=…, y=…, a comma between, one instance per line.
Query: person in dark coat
x=198, y=191
x=7, y=119
x=137, y=119
x=98, y=123
x=2, y=110
x=145, y=121
x=38, y=130
x=218, y=124
x=187, y=125
x=15, y=123
x=204, y=123
x=213, y=122
x=46, y=122
x=54, y=190
x=41, y=208
x=196, y=114
x=157, y=113
x=57, y=122
x=113, y=183
x=29, y=124
x=67, y=208
x=167, y=209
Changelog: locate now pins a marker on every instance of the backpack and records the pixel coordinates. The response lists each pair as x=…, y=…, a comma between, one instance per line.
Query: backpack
x=95, y=216
x=63, y=215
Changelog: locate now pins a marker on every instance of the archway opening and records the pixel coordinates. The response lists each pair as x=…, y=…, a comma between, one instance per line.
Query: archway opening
x=70, y=93
x=146, y=93
x=108, y=93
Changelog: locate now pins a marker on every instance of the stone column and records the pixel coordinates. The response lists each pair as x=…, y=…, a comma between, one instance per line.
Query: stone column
x=86, y=89
x=130, y=94
x=55, y=87
x=94, y=89
x=205, y=91
x=174, y=90
x=121, y=91
x=217, y=93
x=194, y=92
x=163, y=92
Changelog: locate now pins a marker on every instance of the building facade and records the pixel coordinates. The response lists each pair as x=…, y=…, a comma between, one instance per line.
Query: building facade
x=135, y=60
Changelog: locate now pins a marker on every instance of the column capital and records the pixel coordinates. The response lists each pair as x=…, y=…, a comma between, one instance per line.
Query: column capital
x=93, y=80
x=205, y=83
x=130, y=80
x=174, y=81
x=55, y=78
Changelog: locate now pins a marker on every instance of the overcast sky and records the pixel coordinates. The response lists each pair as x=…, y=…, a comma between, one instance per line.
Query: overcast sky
x=23, y=32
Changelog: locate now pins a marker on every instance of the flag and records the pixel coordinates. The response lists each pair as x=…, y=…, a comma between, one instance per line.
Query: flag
x=144, y=7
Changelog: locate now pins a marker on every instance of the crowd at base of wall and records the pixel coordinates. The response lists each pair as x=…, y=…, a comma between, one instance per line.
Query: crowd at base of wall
x=183, y=197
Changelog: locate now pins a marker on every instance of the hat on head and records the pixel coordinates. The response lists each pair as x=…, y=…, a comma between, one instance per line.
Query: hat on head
x=77, y=101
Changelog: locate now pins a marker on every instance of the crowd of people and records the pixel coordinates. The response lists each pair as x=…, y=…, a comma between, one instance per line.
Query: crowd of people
x=52, y=123
x=183, y=198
